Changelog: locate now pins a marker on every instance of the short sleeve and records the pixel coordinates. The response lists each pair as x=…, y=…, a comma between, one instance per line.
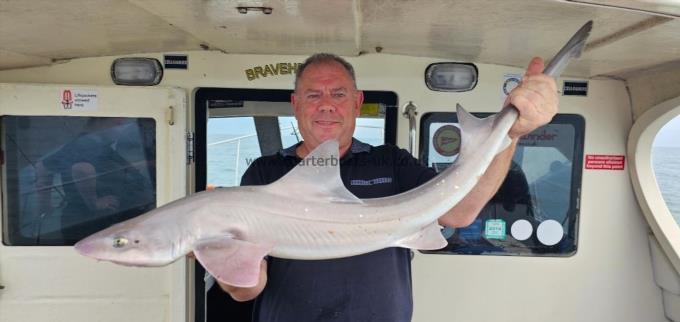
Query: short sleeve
x=253, y=175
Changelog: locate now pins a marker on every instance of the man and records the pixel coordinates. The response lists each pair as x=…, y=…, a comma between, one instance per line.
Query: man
x=374, y=286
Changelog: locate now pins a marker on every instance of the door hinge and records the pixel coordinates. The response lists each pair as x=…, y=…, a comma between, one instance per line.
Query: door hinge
x=170, y=115
x=190, y=147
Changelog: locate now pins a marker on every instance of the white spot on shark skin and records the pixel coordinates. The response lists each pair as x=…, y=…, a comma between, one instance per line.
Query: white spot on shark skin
x=306, y=209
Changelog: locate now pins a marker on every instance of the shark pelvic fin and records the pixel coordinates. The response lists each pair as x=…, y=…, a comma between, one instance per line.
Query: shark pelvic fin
x=317, y=177
x=429, y=238
x=231, y=261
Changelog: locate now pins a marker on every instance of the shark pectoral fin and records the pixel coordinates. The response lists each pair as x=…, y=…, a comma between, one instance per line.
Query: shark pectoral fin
x=428, y=238
x=231, y=261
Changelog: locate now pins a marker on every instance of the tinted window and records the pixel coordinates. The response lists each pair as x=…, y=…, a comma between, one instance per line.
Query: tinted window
x=536, y=208
x=68, y=177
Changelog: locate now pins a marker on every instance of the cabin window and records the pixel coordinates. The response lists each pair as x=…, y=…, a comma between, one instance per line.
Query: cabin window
x=666, y=164
x=66, y=177
x=536, y=209
x=244, y=124
x=234, y=143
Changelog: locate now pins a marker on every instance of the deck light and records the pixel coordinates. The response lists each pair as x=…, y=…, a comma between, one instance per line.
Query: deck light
x=451, y=77
x=136, y=71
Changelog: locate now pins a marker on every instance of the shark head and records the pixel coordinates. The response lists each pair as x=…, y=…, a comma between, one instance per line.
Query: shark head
x=129, y=244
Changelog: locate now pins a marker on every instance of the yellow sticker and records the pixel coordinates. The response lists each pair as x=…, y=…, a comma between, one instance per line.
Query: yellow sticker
x=370, y=109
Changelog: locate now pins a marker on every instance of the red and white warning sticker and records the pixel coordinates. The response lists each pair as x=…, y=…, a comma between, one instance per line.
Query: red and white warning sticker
x=78, y=99
x=605, y=162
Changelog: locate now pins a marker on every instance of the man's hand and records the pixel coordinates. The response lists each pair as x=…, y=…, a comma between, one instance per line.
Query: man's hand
x=535, y=98
x=536, y=101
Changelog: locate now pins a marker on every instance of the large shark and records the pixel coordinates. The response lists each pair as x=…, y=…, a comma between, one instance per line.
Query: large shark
x=308, y=213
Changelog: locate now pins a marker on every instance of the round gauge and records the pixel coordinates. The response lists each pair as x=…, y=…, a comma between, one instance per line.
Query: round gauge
x=510, y=84
x=446, y=140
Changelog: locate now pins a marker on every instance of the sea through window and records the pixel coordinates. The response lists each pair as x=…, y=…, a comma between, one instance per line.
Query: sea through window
x=244, y=124
x=233, y=143
x=666, y=164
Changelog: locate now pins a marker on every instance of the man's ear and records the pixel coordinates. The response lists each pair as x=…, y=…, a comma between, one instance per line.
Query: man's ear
x=293, y=103
x=360, y=102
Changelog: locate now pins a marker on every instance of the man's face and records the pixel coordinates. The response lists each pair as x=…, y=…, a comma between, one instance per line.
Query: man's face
x=326, y=105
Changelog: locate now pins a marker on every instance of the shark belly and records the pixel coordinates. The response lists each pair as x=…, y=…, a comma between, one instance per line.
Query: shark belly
x=300, y=239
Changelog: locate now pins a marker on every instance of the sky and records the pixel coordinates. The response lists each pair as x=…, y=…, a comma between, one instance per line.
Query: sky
x=669, y=135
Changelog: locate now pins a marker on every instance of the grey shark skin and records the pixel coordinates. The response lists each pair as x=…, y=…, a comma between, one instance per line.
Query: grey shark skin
x=307, y=214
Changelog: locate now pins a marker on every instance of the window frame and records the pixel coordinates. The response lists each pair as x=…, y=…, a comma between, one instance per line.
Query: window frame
x=12, y=235
x=574, y=210
x=640, y=140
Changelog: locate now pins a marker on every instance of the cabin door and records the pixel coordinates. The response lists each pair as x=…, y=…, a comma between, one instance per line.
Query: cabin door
x=77, y=159
x=240, y=125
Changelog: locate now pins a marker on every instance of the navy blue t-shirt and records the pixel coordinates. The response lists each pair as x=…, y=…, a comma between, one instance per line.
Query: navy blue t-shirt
x=369, y=287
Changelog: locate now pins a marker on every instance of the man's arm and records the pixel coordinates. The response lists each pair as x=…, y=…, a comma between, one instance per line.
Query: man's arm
x=536, y=100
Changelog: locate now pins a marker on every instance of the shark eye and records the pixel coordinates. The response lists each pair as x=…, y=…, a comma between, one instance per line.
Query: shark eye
x=119, y=242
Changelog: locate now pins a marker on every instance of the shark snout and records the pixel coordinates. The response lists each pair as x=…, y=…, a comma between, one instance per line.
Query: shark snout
x=84, y=247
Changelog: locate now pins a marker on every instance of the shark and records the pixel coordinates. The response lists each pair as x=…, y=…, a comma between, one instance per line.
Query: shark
x=308, y=214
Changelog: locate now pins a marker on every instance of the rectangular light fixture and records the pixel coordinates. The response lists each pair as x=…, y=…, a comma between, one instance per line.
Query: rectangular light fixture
x=136, y=71
x=451, y=77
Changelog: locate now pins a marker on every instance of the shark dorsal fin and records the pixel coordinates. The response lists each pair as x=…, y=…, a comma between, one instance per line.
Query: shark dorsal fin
x=316, y=177
x=476, y=131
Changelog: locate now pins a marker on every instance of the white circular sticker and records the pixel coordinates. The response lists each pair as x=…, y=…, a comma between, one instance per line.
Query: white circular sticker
x=521, y=229
x=550, y=232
